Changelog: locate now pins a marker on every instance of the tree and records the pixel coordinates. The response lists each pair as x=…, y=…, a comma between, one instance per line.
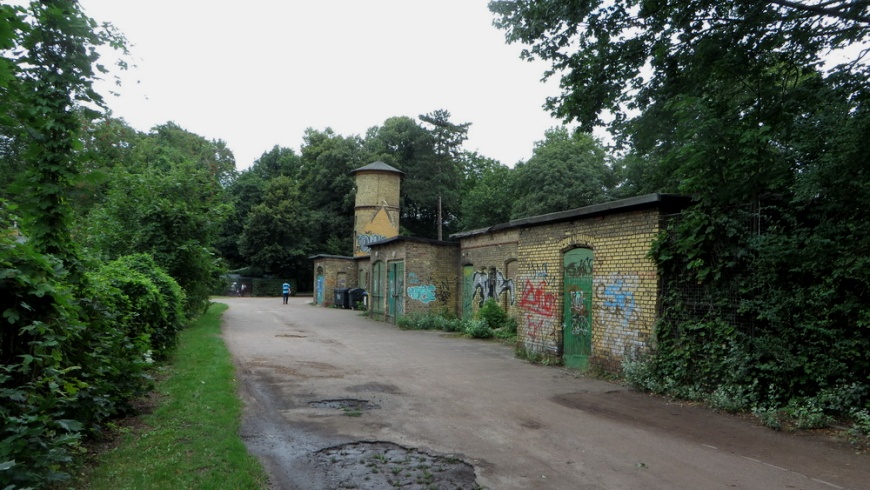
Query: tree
x=448, y=138
x=486, y=192
x=46, y=82
x=327, y=160
x=626, y=55
x=169, y=201
x=277, y=162
x=566, y=171
x=246, y=191
x=168, y=144
x=408, y=147
x=276, y=238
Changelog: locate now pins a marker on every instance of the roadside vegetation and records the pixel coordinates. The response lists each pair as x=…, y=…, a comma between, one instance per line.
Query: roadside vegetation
x=190, y=437
x=490, y=321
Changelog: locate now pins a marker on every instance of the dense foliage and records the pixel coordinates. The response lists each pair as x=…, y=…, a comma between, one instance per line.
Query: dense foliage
x=77, y=336
x=734, y=103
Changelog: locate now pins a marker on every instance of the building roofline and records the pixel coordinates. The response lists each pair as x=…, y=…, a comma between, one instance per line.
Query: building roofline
x=427, y=241
x=601, y=209
x=378, y=166
x=327, y=256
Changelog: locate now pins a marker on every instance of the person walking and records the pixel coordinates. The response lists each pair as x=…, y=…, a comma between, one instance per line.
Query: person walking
x=285, y=289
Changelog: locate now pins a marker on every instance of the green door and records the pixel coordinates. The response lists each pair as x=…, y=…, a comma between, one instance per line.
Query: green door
x=377, y=293
x=467, y=291
x=577, y=319
x=395, y=290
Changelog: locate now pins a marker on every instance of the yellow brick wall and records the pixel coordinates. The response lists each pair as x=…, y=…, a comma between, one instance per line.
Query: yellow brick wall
x=431, y=283
x=490, y=254
x=376, y=212
x=337, y=273
x=624, y=280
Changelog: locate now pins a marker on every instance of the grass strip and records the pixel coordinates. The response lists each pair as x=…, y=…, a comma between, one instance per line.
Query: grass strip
x=191, y=439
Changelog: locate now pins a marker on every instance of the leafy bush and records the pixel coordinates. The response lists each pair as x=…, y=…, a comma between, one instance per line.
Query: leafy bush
x=67, y=365
x=492, y=313
x=494, y=316
x=171, y=301
x=41, y=386
x=478, y=329
x=859, y=433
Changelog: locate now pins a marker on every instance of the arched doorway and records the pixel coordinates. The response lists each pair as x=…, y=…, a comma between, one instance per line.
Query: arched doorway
x=577, y=311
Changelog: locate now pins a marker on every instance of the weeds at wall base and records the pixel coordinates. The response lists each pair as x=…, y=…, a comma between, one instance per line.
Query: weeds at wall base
x=537, y=357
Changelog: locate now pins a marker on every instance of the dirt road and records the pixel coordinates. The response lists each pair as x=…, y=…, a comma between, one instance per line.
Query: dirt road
x=334, y=400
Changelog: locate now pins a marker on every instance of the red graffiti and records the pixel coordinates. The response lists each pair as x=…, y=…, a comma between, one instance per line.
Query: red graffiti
x=534, y=327
x=537, y=300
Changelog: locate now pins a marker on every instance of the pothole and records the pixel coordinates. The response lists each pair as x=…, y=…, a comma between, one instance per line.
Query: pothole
x=346, y=404
x=378, y=465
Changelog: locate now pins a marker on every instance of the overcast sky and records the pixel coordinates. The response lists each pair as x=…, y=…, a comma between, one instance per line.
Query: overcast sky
x=258, y=73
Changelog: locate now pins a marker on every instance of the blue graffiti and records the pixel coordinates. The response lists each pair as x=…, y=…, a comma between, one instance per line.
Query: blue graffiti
x=423, y=294
x=619, y=299
x=365, y=240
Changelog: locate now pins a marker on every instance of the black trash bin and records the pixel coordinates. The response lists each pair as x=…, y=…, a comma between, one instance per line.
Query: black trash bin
x=355, y=296
x=340, y=300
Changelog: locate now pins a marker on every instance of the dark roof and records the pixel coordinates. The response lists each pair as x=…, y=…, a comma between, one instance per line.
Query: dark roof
x=667, y=201
x=427, y=241
x=378, y=167
x=327, y=256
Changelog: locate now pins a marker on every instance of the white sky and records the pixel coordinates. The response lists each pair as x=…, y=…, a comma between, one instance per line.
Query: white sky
x=257, y=73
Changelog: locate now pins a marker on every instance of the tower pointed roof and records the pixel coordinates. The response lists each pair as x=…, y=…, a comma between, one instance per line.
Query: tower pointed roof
x=378, y=167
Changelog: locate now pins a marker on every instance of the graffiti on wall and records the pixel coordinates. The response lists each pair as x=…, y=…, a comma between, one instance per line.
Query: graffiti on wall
x=539, y=271
x=620, y=312
x=427, y=290
x=491, y=286
x=423, y=293
x=536, y=299
x=579, y=268
x=365, y=240
x=580, y=324
x=539, y=328
x=539, y=307
x=442, y=291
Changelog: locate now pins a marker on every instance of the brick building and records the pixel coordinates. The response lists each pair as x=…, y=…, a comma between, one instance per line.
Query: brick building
x=579, y=283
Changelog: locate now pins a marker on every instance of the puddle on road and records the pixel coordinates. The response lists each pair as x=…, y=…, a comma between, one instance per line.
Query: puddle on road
x=378, y=465
x=345, y=404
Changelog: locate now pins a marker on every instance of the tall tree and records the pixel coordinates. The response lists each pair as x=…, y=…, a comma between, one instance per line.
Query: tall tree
x=487, y=194
x=47, y=81
x=626, y=55
x=277, y=162
x=404, y=144
x=448, y=138
x=277, y=236
x=566, y=171
x=328, y=187
x=168, y=201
